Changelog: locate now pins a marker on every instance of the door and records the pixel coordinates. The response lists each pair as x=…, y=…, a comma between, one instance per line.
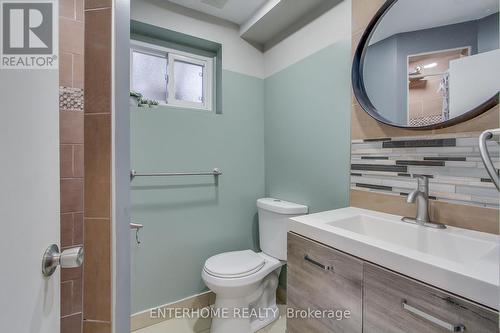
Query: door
x=29, y=199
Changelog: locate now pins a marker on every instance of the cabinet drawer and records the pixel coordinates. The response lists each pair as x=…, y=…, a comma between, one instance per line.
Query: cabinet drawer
x=321, y=278
x=393, y=303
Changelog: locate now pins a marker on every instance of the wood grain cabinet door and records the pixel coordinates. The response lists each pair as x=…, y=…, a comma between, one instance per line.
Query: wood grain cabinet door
x=321, y=278
x=393, y=303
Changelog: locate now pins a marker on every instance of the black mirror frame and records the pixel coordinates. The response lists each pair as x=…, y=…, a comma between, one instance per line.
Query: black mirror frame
x=360, y=91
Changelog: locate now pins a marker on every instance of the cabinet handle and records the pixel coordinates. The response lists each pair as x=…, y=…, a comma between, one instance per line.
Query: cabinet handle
x=432, y=319
x=317, y=263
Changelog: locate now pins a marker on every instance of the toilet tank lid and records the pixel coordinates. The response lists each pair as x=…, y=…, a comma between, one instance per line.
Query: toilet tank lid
x=281, y=207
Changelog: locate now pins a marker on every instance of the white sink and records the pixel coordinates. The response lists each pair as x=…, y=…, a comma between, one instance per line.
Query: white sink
x=446, y=245
x=461, y=261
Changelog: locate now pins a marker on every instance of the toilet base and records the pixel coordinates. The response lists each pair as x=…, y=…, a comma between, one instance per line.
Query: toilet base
x=244, y=325
x=273, y=315
x=248, y=314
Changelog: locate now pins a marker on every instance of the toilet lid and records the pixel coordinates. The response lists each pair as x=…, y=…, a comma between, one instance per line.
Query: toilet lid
x=234, y=264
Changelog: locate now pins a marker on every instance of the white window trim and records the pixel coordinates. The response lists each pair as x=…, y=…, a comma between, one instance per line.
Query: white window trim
x=149, y=51
x=206, y=104
x=171, y=55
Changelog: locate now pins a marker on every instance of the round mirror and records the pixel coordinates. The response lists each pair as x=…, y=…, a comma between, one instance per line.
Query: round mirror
x=429, y=63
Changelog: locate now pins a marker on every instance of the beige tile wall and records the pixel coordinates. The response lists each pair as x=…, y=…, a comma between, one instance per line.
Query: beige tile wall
x=71, y=159
x=365, y=127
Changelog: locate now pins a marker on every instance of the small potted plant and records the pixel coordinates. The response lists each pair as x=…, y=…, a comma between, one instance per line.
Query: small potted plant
x=135, y=98
x=153, y=103
x=143, y=102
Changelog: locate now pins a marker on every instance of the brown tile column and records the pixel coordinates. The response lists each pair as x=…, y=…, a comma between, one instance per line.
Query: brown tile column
x=71, y=54
x=97, y=211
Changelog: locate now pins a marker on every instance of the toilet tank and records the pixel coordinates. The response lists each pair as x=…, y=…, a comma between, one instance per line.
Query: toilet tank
x=273, y=224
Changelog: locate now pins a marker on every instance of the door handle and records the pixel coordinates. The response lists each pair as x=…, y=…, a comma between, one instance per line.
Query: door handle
x=69, y=258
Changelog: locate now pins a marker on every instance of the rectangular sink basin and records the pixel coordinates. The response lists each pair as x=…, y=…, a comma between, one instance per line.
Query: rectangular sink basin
x=461, y=261
x=433, y=242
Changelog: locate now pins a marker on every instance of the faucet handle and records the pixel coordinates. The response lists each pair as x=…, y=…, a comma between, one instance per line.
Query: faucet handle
x=423, y=183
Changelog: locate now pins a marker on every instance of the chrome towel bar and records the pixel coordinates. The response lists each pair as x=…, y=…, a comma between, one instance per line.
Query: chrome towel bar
x=215, y=172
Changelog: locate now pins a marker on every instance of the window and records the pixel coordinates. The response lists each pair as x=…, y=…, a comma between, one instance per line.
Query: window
x=149, y=74
x=172, y=77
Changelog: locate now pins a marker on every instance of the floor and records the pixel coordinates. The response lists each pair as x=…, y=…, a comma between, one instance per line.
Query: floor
x=203, y=325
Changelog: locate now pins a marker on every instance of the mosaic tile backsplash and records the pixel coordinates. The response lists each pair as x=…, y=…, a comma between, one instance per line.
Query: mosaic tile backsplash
x=451, y=161
x=70, y=99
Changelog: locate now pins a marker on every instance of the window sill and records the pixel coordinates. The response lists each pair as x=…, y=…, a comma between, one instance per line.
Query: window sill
x=173, y=108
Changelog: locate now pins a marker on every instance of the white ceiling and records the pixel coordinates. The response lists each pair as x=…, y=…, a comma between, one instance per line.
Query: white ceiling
x=263, y=23
x=411, y=15
x=236, y=11
x=281, y=16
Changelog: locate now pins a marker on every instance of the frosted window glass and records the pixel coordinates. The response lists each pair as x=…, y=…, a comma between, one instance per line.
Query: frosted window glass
x=188, y=82
x=149, y=74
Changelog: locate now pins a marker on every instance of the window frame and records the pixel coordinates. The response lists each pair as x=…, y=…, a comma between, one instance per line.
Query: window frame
x=206, y=81
x=171, y=55
x=148, y=51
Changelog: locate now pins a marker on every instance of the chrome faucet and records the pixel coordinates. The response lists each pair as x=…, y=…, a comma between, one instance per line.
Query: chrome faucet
x=421, y=197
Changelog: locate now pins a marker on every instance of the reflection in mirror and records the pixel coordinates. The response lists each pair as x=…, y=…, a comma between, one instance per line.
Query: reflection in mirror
x=430, y=62
x=428, y=85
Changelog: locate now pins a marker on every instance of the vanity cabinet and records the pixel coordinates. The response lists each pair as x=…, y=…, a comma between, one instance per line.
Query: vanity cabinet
x=321, y=278
x=393, y=303
x=380, y=301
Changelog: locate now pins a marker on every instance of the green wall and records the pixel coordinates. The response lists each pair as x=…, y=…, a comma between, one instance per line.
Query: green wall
x=188, y=219
x=307, y=130
x=286, y=136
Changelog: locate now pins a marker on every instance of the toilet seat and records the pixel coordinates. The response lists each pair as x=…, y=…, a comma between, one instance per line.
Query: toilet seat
x=235, y=264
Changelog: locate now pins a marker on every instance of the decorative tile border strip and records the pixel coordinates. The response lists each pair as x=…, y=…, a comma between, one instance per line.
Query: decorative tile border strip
x=425, y=121
x=451, y=161
x=70, y=99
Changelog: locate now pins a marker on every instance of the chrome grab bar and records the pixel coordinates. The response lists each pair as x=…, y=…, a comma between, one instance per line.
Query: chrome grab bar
x=215, y=172
x=485, y=155
x=432, y=319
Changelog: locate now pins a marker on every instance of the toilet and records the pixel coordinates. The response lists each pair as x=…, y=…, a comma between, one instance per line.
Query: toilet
x=245, y=282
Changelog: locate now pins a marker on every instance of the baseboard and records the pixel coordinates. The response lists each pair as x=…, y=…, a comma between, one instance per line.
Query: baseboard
x=143, y=319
